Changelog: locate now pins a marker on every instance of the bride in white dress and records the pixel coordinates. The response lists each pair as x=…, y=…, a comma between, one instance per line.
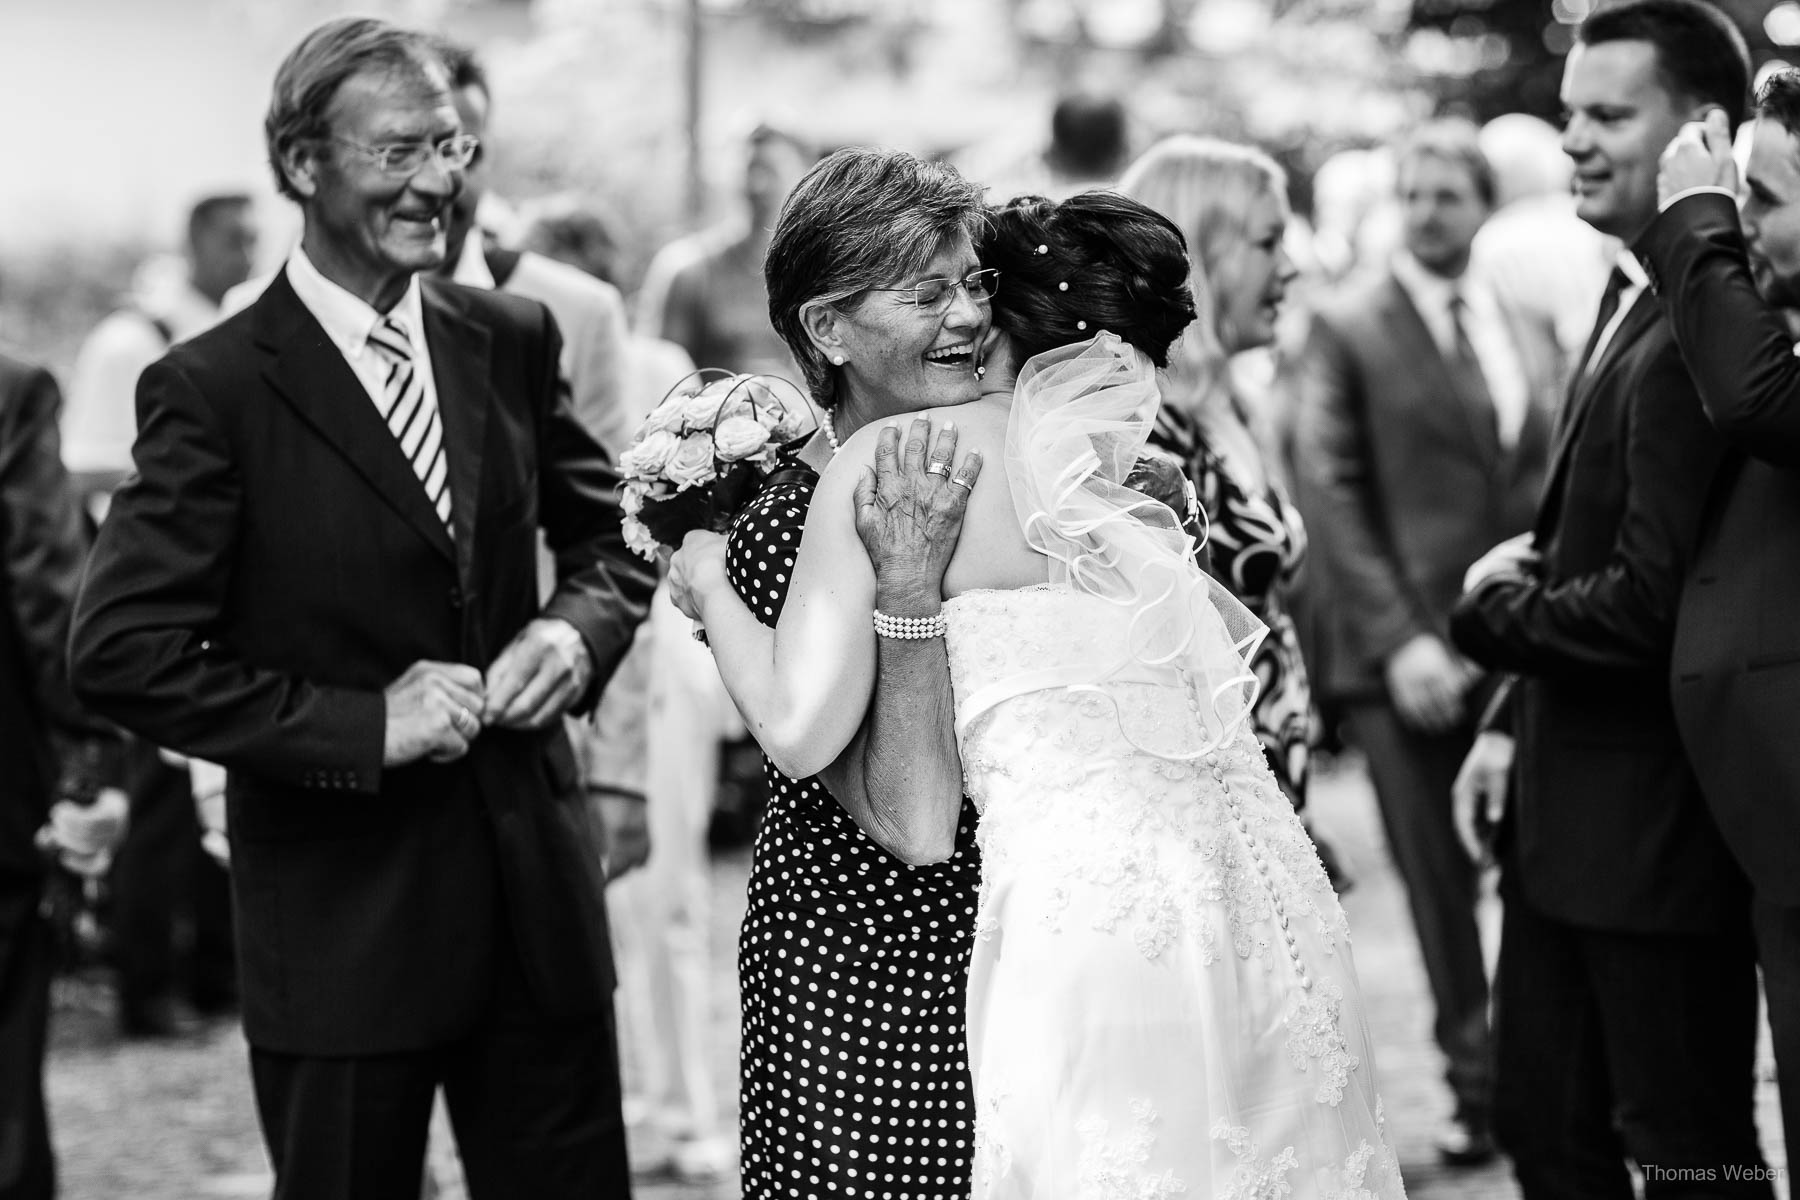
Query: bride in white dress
x=1161, y=1000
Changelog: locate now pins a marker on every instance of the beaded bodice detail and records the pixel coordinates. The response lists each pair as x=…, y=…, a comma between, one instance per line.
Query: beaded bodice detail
x=1056, y=779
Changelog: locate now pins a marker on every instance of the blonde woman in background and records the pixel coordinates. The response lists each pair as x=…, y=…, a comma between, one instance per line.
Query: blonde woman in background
x=1230, y=202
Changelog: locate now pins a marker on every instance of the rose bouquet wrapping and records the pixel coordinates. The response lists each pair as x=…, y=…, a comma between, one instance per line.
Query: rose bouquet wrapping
x=702, y=452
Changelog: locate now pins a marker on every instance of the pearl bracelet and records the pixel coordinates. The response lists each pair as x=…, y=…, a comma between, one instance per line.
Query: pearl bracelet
x=910, y=628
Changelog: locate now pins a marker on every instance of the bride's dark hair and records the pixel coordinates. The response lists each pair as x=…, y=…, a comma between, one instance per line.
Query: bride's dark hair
x=1095, y=261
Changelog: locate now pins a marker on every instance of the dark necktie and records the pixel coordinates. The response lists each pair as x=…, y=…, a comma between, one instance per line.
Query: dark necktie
x=1616, y=283
x=1471, y=382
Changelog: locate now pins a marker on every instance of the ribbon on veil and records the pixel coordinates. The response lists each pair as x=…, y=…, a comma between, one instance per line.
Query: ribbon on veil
x=1081, y=415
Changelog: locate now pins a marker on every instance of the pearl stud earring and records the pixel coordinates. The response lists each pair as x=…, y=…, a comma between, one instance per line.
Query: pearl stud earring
x=837, y=360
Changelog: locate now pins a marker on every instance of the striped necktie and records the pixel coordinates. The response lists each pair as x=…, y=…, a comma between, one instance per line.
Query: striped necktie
x=411, y=414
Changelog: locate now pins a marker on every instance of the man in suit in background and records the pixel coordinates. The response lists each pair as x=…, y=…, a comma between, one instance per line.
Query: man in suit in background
x=1736, y=668
x=589, y=312
x=323, y=577
x=163, y=878
x=1424, y=424
x=1626, y=993
x=49, y=749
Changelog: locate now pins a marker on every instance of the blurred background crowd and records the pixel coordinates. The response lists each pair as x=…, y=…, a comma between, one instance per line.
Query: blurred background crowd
x=649, y=144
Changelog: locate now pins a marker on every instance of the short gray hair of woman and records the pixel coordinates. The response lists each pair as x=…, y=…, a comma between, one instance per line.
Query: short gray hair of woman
x=309, y=78
x=1210, y=189
x=861, y=218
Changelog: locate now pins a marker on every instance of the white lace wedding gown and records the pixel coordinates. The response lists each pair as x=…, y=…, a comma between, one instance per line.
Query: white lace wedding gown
x=1161, y=1000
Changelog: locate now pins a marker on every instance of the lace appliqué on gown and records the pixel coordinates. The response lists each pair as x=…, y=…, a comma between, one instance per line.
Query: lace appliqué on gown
x=1117, y=1167
x=1315, y=1035
x=1255, y=1178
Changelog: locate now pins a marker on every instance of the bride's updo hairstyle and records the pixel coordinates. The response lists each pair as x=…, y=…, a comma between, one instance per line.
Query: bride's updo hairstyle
x=1095, y=261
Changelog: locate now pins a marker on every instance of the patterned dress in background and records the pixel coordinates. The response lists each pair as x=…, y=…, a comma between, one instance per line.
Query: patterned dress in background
x=853, y=966
x=1257, y=543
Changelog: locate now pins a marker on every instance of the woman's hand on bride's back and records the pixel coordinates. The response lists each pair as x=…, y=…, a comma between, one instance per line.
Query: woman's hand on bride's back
x=909, y=506
x=696, y=571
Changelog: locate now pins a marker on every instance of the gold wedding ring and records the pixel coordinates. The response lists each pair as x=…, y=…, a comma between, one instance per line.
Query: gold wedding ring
x=937, y=468
x=962, y=483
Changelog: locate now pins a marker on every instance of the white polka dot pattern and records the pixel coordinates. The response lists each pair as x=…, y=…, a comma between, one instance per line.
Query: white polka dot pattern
x=853, y=968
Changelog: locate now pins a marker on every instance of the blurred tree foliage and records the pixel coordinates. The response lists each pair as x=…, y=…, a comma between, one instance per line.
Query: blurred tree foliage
x=1487, y=57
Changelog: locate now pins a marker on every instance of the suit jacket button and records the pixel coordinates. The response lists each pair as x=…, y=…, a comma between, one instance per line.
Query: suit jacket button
x=456, y=597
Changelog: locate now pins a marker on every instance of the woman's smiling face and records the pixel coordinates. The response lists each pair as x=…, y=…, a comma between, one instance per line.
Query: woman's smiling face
x=899, y=357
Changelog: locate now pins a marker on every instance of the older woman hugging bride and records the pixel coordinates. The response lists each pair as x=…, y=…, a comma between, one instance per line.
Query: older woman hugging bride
x=1161, y=999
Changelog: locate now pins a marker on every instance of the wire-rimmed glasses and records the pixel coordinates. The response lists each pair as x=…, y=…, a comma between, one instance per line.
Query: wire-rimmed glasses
x=935, y=293
x=401, y=159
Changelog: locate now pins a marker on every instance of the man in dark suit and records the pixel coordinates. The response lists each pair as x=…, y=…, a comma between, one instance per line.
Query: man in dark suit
x=1424, y=423
x=1626, y=992
x=323, y=578
x=48, y=748
x=1736, y=668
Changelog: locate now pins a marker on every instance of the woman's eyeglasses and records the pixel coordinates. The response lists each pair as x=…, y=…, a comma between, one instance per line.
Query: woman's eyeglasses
x=933, y=294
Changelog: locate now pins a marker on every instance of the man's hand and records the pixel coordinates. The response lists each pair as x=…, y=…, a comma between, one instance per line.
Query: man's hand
x=85, y=835
x=1478, y=797
x=627, y=825
x=1515, y=558
x=433, y=712
x=538, y=676
x=1699, y=155
x=208, y=782
x=1426, y=681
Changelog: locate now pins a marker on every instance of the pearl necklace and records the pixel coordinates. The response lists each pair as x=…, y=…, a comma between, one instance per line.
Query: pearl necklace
x=830, y=432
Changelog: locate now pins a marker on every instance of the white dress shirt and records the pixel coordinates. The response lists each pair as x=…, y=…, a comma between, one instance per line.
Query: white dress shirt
x=99, y=417
x=1490, y=336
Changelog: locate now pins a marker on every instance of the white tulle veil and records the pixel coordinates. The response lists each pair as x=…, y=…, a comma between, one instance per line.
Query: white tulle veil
x=1080, y=417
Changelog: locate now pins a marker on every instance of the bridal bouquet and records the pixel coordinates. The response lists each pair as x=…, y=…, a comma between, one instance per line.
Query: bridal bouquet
x=702, y=453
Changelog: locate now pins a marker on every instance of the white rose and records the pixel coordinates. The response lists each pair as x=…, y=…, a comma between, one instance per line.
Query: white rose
x=739, y=437
x=638, y=539
x=666, y=417
x=692, y=462
x=631, y=500
x=650, y=456
x=753, y=398
x=701, y=410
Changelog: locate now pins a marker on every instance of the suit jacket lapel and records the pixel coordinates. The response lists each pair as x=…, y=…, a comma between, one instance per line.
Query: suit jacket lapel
x=1583, y=387
x=307, y=370
x=460, y=352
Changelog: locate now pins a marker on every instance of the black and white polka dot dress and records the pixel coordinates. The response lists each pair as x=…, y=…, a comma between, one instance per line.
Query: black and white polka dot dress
x=853, y=967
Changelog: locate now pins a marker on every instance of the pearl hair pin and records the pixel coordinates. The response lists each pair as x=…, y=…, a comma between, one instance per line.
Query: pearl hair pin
x=1042, y=249
x=1063, y=286
x=1081, y=324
